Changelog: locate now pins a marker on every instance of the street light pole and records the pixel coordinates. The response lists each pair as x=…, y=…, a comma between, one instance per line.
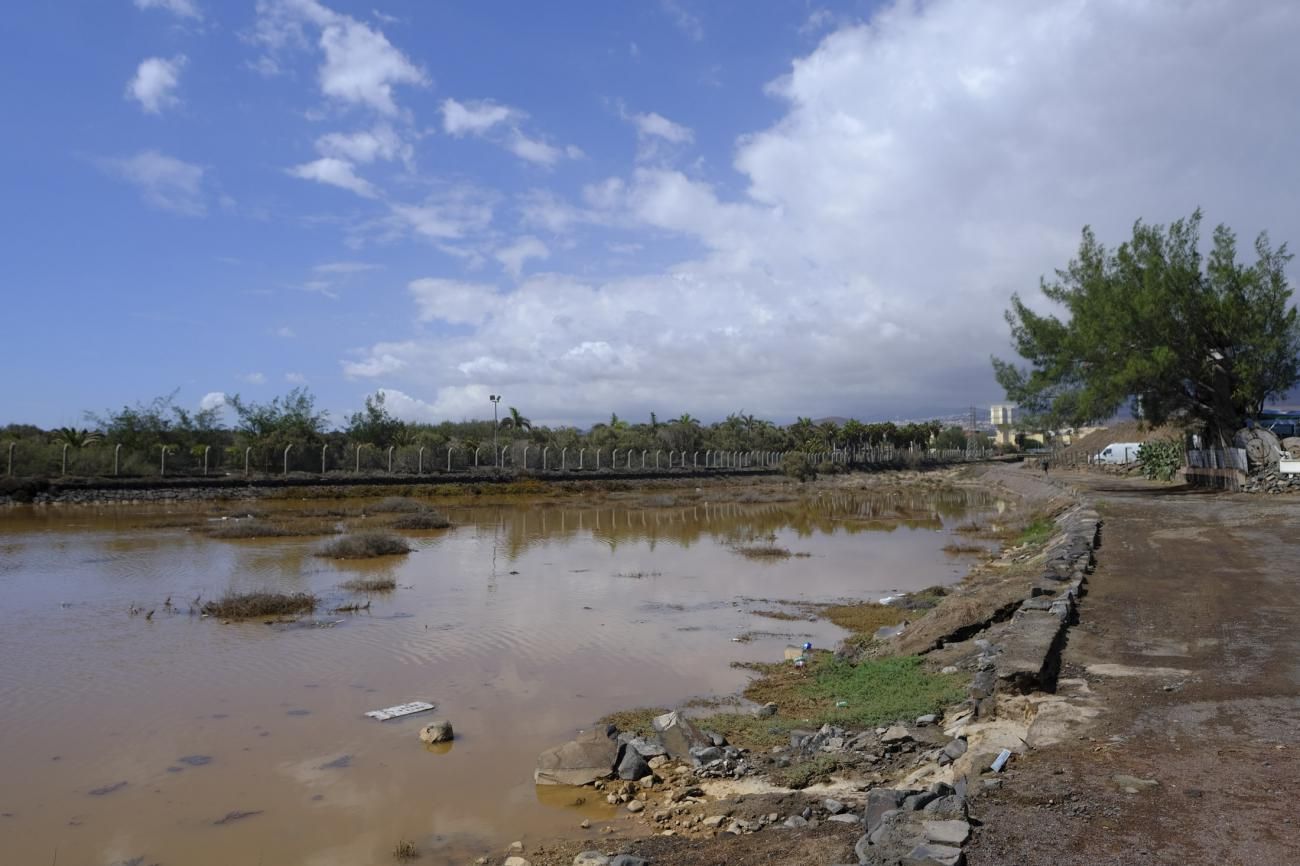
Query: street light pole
x=495, y=398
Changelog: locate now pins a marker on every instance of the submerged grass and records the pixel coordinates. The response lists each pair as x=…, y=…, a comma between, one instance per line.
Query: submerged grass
x=265, y=529
x=779, y=614
x=364, y=545
x=865, y=618
x=405, y=850
x=397, y=505
x=956, y=548
x=421, y=520
x=370, y=584
x=762, y=551
x=257, y=604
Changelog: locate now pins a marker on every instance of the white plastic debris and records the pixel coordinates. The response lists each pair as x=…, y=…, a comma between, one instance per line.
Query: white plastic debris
x=401, y=710
x=1000, y=761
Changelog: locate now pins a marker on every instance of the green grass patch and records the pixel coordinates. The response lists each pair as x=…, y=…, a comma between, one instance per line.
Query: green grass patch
x=804, y=773
x=877, y=691
x=1038, y=531
x=749, y=731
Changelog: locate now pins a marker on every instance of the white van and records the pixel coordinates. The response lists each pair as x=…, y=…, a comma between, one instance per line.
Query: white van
x=1119, y=453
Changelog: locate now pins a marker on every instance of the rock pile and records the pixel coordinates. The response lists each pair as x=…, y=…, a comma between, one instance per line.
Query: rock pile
x=1271, y=480
x=914, y=827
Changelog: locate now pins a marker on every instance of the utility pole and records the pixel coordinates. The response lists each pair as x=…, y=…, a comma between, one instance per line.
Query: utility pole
x=495, y=398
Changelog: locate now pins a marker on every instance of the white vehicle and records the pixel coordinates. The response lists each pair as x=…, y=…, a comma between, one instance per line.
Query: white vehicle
x=1119, y=453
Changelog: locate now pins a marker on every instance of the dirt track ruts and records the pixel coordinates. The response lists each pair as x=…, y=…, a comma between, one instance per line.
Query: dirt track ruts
x=1196, y=599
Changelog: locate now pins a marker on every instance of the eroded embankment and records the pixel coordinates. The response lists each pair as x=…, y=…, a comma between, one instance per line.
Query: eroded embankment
x=894, y=784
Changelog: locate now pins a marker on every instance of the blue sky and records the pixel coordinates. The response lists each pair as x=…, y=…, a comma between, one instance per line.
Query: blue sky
x=791, y=208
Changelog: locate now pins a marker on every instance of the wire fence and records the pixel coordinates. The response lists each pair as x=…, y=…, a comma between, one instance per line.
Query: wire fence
x=109, y=460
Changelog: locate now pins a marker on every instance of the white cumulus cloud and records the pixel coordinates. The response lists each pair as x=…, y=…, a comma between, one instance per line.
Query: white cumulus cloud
x=335, y=172
x=473, y=117
x=360, y=67
x=514, y=256
x=653, y=125
x=164, y=182
x=155, y=82
x=452, y=300
x=212, y=400
x=180, y=8
x=926, y=164
x=365, y=146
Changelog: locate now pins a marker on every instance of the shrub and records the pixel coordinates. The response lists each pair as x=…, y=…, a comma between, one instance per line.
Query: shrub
x=762, y=551
x=1160, y=459
x=797, y=466
x=363, y=545
x=398, y=505
x=262, y=529
x=423, y=520
x=370, y=584
x=254, y=604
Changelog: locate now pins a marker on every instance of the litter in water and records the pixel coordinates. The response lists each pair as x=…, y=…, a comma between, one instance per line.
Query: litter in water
x=400, y=710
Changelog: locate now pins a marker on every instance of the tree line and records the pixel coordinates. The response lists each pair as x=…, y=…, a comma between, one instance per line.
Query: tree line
x=294, y=419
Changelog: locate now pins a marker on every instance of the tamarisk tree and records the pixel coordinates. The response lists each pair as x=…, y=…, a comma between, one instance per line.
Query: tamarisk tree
x=1180, y=336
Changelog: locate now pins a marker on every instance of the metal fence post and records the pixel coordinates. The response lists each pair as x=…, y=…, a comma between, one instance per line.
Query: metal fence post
x=419, y=462
x=449, y=450
x=504, y=449
x=597, y=459
x=644, y=452
x=286, y=457
x=206, y=449
x=582, y=452
x=323, y=449
x=545, y=448
x=390, y=459
x=162, y=465
x=12, y=445
x=64, y=470
x=247, y=451
x=117, y=450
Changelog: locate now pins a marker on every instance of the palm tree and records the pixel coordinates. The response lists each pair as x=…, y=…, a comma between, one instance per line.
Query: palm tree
x=77, y=438
x=515, y=421
x=687, y=420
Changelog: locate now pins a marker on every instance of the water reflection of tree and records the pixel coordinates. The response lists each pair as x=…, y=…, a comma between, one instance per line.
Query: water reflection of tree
x=524, y=527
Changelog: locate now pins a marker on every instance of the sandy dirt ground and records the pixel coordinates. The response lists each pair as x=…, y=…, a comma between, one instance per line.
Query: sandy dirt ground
x=1189, y=640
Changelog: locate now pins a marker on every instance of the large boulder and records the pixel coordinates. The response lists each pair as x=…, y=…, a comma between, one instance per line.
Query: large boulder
x=632, y=767
x=678, y=735
x=581, y=761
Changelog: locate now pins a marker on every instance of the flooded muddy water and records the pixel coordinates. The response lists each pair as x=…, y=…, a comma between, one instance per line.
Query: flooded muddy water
x=185, y=740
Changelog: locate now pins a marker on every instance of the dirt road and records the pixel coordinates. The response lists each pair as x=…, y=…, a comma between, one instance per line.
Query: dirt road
x=1189, y=639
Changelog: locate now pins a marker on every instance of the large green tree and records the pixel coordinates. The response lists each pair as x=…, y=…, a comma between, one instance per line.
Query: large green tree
x=1201, y=339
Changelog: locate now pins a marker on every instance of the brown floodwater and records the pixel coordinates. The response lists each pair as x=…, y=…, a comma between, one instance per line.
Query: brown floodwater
x=123, y=737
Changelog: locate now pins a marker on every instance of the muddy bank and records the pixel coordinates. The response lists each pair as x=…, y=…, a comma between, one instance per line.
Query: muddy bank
x=900, y=788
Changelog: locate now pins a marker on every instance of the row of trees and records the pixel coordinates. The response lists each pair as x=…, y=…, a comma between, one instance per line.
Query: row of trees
x=295, y=420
